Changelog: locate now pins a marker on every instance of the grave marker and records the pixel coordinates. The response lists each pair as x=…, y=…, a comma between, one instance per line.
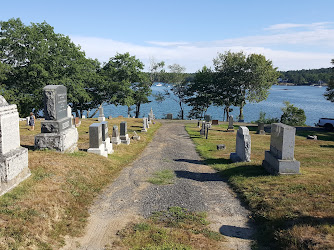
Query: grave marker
x=124, y=133
x=115, y=139
x=96, y=145
x=243, y=146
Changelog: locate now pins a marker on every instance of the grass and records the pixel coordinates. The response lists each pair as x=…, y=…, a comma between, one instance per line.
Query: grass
x=176, y=228
x=54, y=201
x=163, y=177
x=292, y=212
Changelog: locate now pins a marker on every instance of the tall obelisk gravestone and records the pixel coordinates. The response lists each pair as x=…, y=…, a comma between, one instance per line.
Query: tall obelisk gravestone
x=57, y=131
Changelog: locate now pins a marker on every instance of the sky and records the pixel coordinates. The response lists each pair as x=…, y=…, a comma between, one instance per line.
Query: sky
x=294, y=34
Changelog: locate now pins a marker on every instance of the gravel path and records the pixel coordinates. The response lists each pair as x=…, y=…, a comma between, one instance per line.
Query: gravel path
x=197, y=188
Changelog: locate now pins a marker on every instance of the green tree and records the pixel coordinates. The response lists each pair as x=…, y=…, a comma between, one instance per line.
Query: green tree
x=36, y=56
x=292, y=115
x=200, y=92
x=329, y=94
x=126, y=83
x=176, y=77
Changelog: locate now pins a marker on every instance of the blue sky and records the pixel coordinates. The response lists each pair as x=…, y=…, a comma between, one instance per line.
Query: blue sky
x=293, y=34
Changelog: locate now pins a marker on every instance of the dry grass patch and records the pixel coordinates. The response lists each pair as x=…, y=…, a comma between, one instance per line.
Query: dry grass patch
x=284, y=206
x=54, y=201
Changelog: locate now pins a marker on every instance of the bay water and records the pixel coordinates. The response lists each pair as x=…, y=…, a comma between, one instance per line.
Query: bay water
x=308, y=98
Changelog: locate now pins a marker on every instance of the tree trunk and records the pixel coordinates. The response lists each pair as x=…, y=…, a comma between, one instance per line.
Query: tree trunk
x=137, y=109
x=182, y=114
x=95, y=112
x=227, y=112
x=241, y=113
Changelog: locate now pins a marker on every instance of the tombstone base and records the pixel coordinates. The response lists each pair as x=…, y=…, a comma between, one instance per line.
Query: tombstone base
x=108, y=146
x=261, y=132
x=13, y=169
x=136, y=137
x=125, y=139
x=144, y=130
x=235, y=158
x=230, y=130
x=101, y=118
x=277, y=167
x=57, y=126
x=115, y=140
x=99, y=151
x=65, y=141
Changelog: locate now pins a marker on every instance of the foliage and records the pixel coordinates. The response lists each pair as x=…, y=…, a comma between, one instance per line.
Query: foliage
x=36, y=56
x=263, y=119
x=306, y=76
x=329, y=94
x=163, y=177
x=200, y=92
x=292, y=115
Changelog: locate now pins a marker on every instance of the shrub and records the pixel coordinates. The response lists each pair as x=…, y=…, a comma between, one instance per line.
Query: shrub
x=292, y=115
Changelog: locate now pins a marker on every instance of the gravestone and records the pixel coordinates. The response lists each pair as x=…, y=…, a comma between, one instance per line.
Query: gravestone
x=147, y=124
x=260, y=128
x=135, y=136
x=230, y=127
x=115, y=139
x=96, y=145
x=207, y=118
x=76, y=122
x=280, y=158
x=105, y=138
x=215, y=122
x=169, y=116
x=13, y=157
x=27, y=120
x=124, y=133
x=151, y=114
x=101, y=117
x=56, y=130
x=243, y=146
x=109, y=117
x=83, y=117
x=202, y=131
x=149, y=119
x=221, y=146
x=69, y=111
x=144, y=129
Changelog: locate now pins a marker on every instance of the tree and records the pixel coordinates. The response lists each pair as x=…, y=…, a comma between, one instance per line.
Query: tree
x=126, y=83
x=292, y=115
x=329, y=94
x=200, y=92
x=36, y=56
x=176, y=77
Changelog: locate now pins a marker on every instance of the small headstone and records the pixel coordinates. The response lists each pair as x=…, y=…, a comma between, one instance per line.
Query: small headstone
x=27, y=120
x=280, y=159
x=230, y=127
x=83, y=117
x=243, y=146
x=96, y=145
x=214, y=122
x=57, y=131
x=115, y=136
x=77, y=122
x=135, y=136
x=169, y=116
x=109, y=117
x=144, y=129
x=124, y=133
x=69, y=111
x=120, y=116
x=105, y=138
x=13, y=157
x=101, y=117
x=149, y=119
x=202, y=131
x=312, y=137
x=260, y=128
x=151, y=114
x=221, y=146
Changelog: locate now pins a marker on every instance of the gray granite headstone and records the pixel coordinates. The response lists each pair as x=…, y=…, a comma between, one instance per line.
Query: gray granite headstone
x=124, y=129
x=104, y=130
x=280, y=159
x=144, y=129
x=215, y=122
x=101, y=114
x=230, y=123
x=170, y=116
x=260, y=128
x=243, y=146
x=95, y=135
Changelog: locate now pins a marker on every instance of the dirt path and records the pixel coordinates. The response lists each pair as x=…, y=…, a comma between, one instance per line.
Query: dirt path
x=197, y=188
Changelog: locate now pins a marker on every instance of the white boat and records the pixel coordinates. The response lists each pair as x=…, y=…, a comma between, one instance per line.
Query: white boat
x=159, y=85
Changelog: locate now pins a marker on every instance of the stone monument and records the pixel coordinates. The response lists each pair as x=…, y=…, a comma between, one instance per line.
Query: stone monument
x=106, y=138
x=96, y=145
x=115, y=139
x=13, y=157
x=169, y=116
x=56, y=130
x=280, y=159
x=260, y=128
x=202, y=131
x=230, y=127
x=243, y=146
x=144, y=129
x=215, y=122
x=124, y=133
x=149, y=119
x=101, y=117
x=151, y=114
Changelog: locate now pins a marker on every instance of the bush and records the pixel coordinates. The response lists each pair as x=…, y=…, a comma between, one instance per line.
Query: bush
x=263, y=119
x=292, y=115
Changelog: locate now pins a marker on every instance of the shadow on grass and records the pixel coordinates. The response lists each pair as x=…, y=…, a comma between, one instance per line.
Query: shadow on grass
x=322, y=134
x=327, y=146
x=29, y=147
x=200, y=162
x=243, y=170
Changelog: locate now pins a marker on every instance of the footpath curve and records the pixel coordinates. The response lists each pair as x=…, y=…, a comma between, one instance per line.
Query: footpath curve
x=197, y=188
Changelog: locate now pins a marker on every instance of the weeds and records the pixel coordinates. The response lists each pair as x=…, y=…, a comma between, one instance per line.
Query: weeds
x=163, y=177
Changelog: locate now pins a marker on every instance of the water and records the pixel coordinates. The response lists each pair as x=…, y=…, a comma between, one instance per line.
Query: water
x=309, y=98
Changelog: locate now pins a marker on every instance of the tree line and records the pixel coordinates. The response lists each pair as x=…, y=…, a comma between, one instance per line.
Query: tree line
x=33, y=56
x=306, y=76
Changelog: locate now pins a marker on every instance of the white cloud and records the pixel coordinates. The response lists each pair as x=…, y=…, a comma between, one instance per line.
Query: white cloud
x=194, y=55
x=284, y=26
